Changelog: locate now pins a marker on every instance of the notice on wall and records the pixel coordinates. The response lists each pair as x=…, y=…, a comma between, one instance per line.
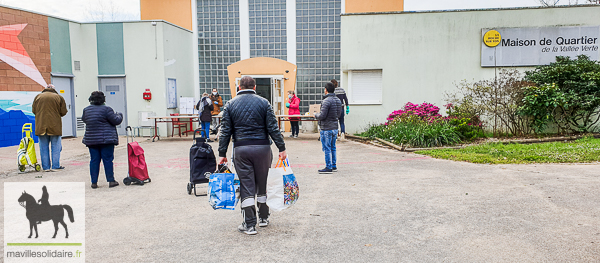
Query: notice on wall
x=534, y=46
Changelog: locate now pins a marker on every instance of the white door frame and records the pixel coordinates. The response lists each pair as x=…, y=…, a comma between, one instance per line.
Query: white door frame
x=72, y=109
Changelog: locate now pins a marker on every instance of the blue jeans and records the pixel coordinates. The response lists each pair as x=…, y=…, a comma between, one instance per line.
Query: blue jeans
x=104, y=153
x=205, y=126
x=328, y=139
x=342, y=125
x=45, y=141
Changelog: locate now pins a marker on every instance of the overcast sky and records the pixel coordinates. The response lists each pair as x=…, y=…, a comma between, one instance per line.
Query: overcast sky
x=88, y=10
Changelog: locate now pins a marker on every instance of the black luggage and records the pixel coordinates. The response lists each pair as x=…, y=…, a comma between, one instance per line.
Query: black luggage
x=202, y=163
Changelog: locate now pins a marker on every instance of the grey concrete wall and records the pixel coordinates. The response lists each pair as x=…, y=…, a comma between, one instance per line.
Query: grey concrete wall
x=423, y=55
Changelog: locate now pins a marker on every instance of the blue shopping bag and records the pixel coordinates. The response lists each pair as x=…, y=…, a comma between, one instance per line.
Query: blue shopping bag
x=223, y=190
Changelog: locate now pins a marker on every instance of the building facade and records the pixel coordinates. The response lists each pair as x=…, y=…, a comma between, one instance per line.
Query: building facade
x=122, y=59
x=419, y=56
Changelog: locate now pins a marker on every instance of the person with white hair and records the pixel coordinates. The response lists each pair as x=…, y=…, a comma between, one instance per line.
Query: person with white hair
x=49, y=107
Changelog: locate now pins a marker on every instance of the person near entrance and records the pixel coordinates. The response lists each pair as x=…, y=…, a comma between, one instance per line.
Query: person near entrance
x=331, y=109
x=341, y=94
x=215, y=97
x=205, y=108
x=101, y=137
x=294, y=105
x=49, y=108
x=250, y=120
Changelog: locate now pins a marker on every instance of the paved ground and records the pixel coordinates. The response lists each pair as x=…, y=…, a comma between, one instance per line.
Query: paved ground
x=382, y=206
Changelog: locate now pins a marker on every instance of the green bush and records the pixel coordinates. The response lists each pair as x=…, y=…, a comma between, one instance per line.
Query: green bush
x=415, y=134
x=568, y=94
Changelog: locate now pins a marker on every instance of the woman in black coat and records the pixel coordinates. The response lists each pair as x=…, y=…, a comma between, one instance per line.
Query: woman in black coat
x=101, y=136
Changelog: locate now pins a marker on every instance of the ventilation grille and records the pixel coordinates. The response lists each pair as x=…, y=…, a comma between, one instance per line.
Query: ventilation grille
x=77, y=65
x=113, y=88
x=80, y=124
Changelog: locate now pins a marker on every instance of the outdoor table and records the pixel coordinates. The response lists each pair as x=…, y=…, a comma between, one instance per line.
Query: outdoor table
x=282, y=118
x=169, y=119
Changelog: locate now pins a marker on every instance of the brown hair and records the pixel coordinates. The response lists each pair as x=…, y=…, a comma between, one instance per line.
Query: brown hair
x=247, y=82
x=335, y=83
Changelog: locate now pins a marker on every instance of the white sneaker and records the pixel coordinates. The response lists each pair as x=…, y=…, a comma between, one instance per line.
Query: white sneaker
x=263, y=222
x=247, y=230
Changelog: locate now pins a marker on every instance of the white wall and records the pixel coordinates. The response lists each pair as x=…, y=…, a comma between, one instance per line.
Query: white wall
x=83, y=49
x=144, y=69
x=423, y=55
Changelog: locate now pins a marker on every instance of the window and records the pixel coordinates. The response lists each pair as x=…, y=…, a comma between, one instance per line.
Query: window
x=365, y=86
x=171, y=94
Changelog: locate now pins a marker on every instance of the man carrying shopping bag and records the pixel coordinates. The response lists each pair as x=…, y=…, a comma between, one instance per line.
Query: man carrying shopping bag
x=250, y=119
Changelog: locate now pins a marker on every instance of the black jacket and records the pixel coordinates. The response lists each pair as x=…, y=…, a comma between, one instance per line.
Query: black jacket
x=206, y=114
x=100, y=125
x=331, y=110
x=250, y=119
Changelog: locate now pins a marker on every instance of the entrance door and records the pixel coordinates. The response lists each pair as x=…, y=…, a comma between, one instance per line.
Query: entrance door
x=114, y=90
x=64, y=88
x=263, y=88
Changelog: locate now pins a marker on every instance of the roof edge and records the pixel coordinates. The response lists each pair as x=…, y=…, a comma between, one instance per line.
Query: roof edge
x=471, y=10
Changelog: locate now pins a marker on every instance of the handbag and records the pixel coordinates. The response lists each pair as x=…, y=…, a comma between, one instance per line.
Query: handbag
x=223, y=190
x=282, y=187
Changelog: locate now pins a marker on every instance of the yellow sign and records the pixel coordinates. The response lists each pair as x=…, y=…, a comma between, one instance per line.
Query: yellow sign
x=492, y=38
x=62, y=91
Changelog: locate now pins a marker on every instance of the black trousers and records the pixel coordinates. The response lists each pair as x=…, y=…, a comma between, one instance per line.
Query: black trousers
x=295, y=127
x=252, y=163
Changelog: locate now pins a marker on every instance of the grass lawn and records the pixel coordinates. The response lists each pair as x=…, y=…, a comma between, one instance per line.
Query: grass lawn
x=580, y=151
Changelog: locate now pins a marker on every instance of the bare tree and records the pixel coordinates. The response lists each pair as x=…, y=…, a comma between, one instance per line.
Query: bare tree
x=106, y=10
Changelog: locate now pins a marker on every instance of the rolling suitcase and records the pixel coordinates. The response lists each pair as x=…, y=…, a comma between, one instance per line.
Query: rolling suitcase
x=202, y=163
x=136, y=162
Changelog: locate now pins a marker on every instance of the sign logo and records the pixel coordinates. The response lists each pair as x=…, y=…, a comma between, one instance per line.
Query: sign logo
x=44, y=222
x=492, y=38
x=13, y=53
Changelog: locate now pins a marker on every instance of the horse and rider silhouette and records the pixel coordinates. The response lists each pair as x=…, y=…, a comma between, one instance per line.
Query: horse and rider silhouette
x=37, y=213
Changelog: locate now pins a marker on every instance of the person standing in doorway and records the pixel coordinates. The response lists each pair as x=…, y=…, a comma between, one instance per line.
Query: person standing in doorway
x=341, y=94
x=101, y=137
x=48, y=108
x=205, y=108
x=331, y=108
x=294, y=105
x=250, y=120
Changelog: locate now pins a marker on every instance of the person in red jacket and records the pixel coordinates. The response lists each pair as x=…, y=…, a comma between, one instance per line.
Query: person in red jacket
x=294, y=105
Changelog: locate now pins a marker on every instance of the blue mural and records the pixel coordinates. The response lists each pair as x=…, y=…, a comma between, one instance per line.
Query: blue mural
x=15, y=110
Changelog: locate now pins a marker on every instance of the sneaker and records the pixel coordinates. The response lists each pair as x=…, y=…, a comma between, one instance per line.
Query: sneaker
x=325, y=171
x=94, y=186
x=263, y=222
x=292, y=136
x=209, y=140
x=59, y=168
x=113, y=184
x=247, y=230
x=334, y=169
x=296, y=136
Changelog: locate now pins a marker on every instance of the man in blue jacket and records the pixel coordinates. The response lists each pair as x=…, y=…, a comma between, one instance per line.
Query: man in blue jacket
x=331, y=109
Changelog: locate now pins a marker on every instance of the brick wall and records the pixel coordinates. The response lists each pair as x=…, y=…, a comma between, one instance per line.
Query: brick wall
x=35, y=40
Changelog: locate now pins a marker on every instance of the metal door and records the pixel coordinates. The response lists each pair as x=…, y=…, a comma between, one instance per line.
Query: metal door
x=64, y=88
x=114, y=90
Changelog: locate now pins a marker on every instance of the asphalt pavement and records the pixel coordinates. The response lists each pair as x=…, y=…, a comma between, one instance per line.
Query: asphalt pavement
x=381, y=206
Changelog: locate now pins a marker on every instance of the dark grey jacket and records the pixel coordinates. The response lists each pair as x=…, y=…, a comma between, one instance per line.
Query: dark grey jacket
x=331, y=110
x=250, y=119
x=100, y=125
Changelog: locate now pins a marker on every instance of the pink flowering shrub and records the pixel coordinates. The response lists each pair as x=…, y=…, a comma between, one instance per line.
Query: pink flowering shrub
x=424, y=112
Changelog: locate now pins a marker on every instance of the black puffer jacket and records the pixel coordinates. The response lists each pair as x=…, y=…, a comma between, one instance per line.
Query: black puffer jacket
x=100, y=125
x=331, y=110
x=250, y=119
